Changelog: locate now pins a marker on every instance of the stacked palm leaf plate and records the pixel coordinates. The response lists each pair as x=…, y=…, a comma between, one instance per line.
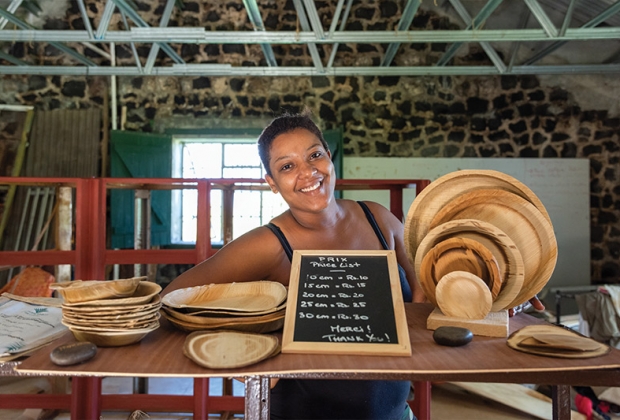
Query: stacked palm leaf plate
x=480, y=241
x=110, y=313
x=256, y=306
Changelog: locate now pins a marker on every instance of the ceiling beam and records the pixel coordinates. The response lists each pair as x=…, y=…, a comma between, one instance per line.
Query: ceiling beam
x=476, y=24
x=610, y=11
x=409, y=11
x=69, y=51
x=542, y=18
x=257, y=22
x=133, y=15
x=200, y=36
x=305, y=26
x=343, y=24
x=226, y=70
x=488, y=49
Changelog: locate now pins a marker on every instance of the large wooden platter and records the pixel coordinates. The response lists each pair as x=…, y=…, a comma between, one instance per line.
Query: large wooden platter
x=503, y=248
x=450, y=186
x=521, y=221
x=252, y=296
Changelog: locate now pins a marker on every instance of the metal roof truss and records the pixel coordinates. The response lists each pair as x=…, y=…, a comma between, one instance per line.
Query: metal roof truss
x=545, y=35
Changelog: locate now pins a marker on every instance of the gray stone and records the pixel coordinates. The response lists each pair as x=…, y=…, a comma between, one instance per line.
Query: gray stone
x=452, y=336
x=73, y=353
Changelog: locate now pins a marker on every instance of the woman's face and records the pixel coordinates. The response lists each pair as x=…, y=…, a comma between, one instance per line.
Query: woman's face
x=301, y=170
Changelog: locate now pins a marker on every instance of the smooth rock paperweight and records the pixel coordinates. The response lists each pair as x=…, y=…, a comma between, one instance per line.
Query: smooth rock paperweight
x=73, y=353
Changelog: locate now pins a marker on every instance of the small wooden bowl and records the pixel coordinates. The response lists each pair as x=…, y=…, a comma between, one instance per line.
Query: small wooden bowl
x=143, y=294
x=462, y=254
x=503, y=248
x=112, y=338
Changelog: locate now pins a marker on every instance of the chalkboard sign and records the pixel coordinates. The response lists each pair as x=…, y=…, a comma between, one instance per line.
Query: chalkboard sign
x=347, y=302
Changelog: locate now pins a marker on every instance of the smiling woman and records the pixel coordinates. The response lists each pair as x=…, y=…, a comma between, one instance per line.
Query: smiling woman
x=298, y=166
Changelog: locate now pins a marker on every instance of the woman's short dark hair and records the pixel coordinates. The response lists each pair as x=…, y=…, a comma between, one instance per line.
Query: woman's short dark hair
x=285, y=124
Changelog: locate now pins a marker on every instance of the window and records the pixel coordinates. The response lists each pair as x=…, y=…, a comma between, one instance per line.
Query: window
x=232, y=158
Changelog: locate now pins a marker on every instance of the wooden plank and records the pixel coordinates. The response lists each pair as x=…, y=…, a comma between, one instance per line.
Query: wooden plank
x=495, y=324
x=518, y=397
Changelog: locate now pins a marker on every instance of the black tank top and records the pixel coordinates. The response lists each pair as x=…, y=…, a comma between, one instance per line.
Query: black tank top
x=404, y=284
x=340, y=399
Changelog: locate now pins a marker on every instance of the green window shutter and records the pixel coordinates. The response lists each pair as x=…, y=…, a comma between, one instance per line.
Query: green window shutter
x=334, y=141
x=140, y=155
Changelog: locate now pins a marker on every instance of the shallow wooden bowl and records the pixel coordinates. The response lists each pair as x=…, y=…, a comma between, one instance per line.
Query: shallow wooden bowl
x=252, y=296
x=144, y=293
x=265, y=326
x=503, y=248
x=521, y=221
x=462, y=254
x=218, y=321
x=78, y=291
x=229, y=349
x=112, y=338
x=446, y=188
x=461, y=294
x=555, y=341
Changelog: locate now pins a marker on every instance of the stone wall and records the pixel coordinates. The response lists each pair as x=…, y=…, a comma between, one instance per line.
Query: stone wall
x=449, y=116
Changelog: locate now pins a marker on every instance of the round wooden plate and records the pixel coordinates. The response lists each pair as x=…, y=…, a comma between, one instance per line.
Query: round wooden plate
x=446, y=188
x=462, y=254
x=503, y=248
x=521, y=221
x=229, y=349
x=461, y=294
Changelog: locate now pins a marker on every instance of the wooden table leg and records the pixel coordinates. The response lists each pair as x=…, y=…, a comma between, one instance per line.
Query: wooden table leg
x=85, y=398
x=257, y=398
x=421, y=406
x=201, y=398
x=560, y=394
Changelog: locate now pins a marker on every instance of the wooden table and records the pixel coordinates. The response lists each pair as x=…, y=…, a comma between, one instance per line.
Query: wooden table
x=485, y=359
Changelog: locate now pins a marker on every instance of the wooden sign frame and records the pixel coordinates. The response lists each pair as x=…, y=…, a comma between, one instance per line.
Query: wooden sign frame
x=359, y=337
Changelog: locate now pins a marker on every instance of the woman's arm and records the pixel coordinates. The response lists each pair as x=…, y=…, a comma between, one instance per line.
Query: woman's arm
x=256, y=255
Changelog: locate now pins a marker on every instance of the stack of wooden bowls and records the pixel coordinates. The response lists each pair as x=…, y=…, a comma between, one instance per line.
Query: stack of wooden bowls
x=480, y=241
x=110, y=313
x=256, y=306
